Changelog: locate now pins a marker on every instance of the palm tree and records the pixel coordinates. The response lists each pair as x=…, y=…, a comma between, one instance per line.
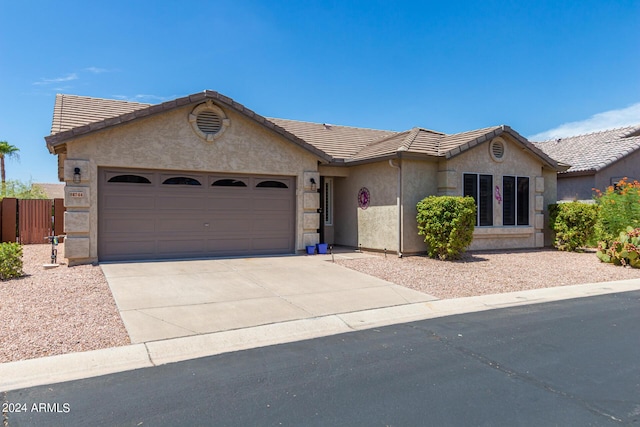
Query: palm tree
x=9, y=151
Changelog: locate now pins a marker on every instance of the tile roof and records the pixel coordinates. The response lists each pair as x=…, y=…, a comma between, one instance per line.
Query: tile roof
x=416, y=140
x=72, y=111
x=51, y=191
x=593, y=151
x=337, y=141
x=78, y=115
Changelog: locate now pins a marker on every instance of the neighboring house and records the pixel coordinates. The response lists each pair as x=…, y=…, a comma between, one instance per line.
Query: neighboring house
x=204, y=176
x=51, y=191
x=597, y=160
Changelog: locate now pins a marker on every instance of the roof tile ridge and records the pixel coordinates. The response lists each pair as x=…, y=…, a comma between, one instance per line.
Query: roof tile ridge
x=409, y=140
x=601, y=131
x=430, y=130
x=632, y=128
x=377, y=141
x=332, y=125
x=488, y=129
x=633, y=132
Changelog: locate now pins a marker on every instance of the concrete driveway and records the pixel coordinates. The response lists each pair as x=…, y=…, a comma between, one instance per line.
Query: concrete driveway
x=168, y=299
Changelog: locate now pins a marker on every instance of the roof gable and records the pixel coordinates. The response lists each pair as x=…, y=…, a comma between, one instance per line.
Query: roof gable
x=77, y=118
x=419, y=141
x=593, y=151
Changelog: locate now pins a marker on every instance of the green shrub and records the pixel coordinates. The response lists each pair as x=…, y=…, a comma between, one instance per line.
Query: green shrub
x=10, y=260
x=623, y=251
x=22, y=190
x=619, y=207
x=447, y=224
x=573, y=224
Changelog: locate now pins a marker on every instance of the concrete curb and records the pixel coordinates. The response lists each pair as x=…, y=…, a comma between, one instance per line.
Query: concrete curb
x=73, y=366
x=440, y=308
x=186, y=348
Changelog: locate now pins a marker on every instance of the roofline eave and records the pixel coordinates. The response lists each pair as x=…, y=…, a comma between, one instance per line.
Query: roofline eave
x=60, y=138
x=403, y=155
x=526, y=144
x=581, y=172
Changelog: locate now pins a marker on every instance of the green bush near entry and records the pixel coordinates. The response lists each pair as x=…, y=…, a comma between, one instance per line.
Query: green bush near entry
x=573, y=223
x=447, y=224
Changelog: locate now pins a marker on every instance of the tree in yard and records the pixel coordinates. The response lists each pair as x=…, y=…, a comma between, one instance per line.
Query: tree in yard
x=9, y=151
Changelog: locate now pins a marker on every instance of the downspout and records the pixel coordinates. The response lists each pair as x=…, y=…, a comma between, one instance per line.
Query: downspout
x=399, y=198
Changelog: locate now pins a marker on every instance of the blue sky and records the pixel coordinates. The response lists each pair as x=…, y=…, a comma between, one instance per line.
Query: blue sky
x=545, y=68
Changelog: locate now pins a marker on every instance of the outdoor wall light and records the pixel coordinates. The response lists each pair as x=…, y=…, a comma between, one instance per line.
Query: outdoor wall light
x=313, y=184
x=76, y=176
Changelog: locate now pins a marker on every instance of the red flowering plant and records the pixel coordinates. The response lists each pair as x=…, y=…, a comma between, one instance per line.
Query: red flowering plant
x=618, y=208
x=618, y=224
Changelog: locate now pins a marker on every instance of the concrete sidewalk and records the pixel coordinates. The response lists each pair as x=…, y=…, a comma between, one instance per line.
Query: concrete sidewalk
x=315, y=323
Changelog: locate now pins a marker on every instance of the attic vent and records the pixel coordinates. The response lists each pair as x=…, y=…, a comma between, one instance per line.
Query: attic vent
x=497, y=149
x=208, y=121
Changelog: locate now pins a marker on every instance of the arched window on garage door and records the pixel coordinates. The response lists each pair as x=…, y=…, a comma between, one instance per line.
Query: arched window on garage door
x=181, y=180
x=272, y=184
x=228, y=183
x=130, y=179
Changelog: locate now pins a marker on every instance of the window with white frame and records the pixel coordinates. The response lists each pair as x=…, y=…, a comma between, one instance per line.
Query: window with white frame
x=515, y=200
x=328, y=201
x=480, y=187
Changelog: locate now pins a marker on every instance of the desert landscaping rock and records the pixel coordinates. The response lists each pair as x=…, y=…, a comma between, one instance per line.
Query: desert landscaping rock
x=481, y=273
x=56, y=311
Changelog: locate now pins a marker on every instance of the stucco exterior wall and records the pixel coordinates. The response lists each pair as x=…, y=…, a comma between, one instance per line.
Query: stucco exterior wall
x=167, y=141
x=515, y=162
x=419, y=180
x=576, y=187
x=628, y=167
x=377, y=226
x=581, y=187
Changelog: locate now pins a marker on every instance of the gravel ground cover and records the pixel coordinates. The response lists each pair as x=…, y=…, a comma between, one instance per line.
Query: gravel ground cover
x=56, y=311
x=479, y=273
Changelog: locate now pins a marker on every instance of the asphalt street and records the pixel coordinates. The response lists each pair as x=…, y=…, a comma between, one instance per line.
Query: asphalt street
x=566, y=363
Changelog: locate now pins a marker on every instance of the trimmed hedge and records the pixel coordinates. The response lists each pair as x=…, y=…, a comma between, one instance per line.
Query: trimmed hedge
x=573, y=223
x=447, y=224
x=10, y=261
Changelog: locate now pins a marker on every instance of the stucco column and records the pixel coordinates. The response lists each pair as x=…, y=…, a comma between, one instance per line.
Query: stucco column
x=539, y=208
x=311, y=204
x=447, y=182
x=77, y=196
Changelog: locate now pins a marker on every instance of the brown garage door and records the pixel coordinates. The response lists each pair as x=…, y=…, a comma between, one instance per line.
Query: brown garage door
x=161, y=214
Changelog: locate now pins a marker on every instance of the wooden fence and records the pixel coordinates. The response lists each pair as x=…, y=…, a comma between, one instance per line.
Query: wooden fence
x=29, y=221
